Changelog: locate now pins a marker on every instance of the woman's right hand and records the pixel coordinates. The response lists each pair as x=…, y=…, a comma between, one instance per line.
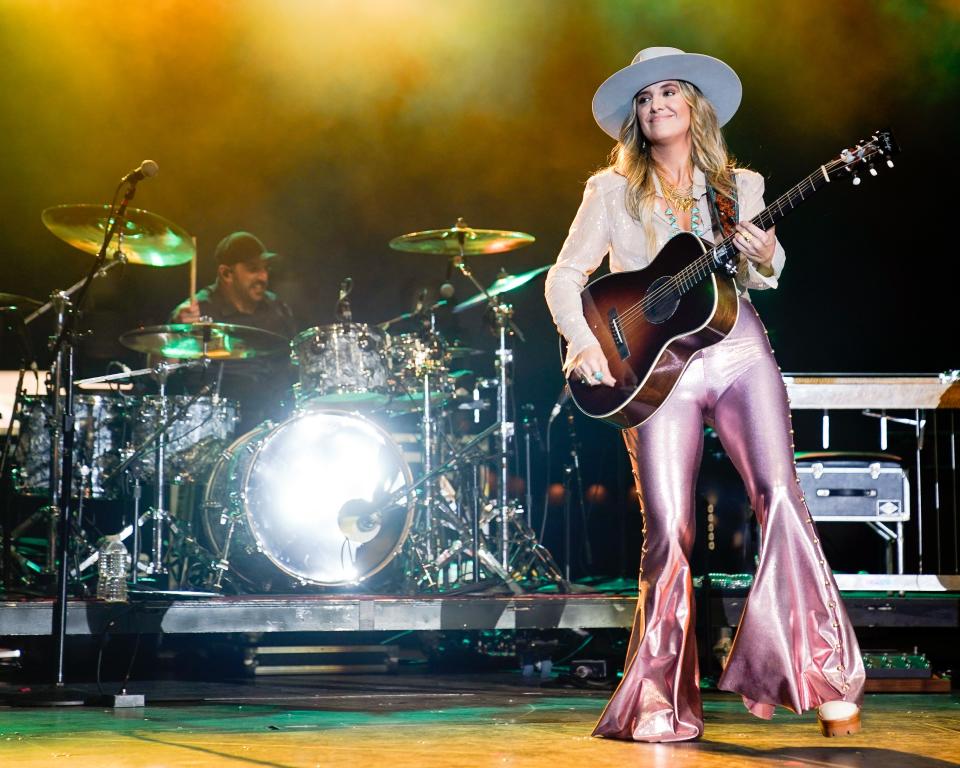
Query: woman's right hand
x=590, y=362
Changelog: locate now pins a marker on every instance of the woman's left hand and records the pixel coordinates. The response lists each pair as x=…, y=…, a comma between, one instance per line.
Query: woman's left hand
x=758, y=246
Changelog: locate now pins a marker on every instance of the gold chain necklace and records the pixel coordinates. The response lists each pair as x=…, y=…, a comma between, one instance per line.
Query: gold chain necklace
x=680, y=199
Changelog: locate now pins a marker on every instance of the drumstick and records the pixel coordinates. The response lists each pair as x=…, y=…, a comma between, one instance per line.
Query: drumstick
x=193, y=274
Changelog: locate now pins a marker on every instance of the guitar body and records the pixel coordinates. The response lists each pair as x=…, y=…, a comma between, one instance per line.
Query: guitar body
x=648, y=348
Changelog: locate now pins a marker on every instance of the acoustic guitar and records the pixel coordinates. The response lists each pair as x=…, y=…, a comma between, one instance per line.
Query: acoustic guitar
x=650, y=322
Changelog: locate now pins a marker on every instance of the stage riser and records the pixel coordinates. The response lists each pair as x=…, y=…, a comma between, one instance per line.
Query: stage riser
x=399, y=614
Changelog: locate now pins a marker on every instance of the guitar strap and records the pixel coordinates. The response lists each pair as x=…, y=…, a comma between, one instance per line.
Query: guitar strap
x=724, y=213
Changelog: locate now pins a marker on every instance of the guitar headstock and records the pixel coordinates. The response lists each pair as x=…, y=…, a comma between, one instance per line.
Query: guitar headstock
x=879, y=149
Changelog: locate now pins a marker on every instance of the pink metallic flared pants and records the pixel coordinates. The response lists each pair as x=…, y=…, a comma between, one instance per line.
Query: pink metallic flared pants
x=795, y=646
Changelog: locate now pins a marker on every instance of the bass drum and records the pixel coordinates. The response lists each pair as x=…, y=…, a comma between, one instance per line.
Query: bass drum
x=318, y=499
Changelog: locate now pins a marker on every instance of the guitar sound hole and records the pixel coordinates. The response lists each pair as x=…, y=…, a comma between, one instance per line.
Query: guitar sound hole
x=660, y=301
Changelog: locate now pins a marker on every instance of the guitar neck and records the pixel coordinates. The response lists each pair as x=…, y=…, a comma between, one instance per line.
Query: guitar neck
x=788, y=201
x=724, y=255
x=725, y=251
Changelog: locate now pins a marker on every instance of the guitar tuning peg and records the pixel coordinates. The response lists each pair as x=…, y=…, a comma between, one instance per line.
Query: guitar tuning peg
x=889, y=163
x=873, y=171
x=856, y=179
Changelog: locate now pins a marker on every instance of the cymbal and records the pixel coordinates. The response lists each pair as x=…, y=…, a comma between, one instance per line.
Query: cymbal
x=185, y=341
x=473, y=241
x=502, y=284
x=11, y=302
x=145, y=237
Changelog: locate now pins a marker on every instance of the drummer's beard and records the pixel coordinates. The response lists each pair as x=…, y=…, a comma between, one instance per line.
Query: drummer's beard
x=256, y=291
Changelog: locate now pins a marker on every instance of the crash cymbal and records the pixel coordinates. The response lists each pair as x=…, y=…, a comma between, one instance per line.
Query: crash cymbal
x=10, y=302
x=185, y=341
x=502, y=284
x=145, y=237
x=473, y=241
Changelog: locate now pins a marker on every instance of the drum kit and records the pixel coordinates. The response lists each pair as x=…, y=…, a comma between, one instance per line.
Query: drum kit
x=383, y=473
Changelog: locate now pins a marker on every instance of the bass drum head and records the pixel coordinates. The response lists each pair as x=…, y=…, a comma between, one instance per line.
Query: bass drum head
x=321, y=497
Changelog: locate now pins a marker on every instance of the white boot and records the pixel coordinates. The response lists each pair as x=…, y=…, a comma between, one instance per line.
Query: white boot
x=838, y=718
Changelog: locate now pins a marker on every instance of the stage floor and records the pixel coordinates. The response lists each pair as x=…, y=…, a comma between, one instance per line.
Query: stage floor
x=475, y=720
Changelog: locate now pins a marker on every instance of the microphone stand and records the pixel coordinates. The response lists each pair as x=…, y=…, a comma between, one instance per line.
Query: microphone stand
x=572, y=476
x=62, y=351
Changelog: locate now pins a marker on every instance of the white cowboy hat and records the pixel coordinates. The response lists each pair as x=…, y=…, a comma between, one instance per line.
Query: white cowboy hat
x=717, y=81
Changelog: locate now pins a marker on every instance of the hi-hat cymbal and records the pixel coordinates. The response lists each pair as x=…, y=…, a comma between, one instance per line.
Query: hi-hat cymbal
x=192, y=341
x=472, y=241
x=10, y=302
x=145, y=238
x=502, y=284
x=459, y=351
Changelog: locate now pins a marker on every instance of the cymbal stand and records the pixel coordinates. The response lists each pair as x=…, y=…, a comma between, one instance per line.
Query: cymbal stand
x=503, y=318
x=428, y=432
x=515, y=539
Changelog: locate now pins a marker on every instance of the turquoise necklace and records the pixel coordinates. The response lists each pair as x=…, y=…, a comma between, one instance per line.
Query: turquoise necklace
x=696, y=223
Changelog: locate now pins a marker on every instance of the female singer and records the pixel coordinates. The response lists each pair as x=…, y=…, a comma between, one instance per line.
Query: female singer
x=795, y=646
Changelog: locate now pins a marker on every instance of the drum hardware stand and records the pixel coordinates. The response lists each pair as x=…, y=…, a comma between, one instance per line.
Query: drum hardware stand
x=571, y=477
x=429, y=434
x=477, y=551
x=531, y=431
x=157, y=513
x=510, y=515
x=503, y=320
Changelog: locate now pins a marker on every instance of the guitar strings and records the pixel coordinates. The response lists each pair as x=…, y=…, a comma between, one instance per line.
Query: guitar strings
x=703, y=263
x=695, y=267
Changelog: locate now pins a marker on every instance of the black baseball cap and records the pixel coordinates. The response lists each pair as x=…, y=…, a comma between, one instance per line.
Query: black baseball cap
x=241, y=246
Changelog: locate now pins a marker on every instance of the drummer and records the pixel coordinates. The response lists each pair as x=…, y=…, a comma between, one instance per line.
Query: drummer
x=239, y=296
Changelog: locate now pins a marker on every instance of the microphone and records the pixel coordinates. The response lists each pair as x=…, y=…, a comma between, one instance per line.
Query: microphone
x=446, y=287
x=360, y=520
x=561, y=401
x=421, y=302
x=146, y=169
x=346, y=285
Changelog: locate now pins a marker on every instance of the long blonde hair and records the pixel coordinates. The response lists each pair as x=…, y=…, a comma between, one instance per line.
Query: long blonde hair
x=631, y=157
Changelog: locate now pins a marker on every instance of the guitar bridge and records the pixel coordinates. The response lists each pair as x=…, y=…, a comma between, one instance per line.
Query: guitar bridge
x=614, y=322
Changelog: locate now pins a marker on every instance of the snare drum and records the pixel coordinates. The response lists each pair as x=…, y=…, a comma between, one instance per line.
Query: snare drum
x=193, y=441
x=98, y=437
x=340, y=364
x=319, y=499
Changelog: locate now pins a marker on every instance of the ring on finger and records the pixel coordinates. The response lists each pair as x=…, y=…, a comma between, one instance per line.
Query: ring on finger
x=597, y=376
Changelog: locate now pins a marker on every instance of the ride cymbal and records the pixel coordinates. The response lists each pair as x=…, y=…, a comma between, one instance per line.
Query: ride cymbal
x=192, y=341
x=502, y=284
x=143, y=237
x=461, y=238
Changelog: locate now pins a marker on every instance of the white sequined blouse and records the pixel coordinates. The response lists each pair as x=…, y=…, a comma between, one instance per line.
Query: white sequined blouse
x=603, y=226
